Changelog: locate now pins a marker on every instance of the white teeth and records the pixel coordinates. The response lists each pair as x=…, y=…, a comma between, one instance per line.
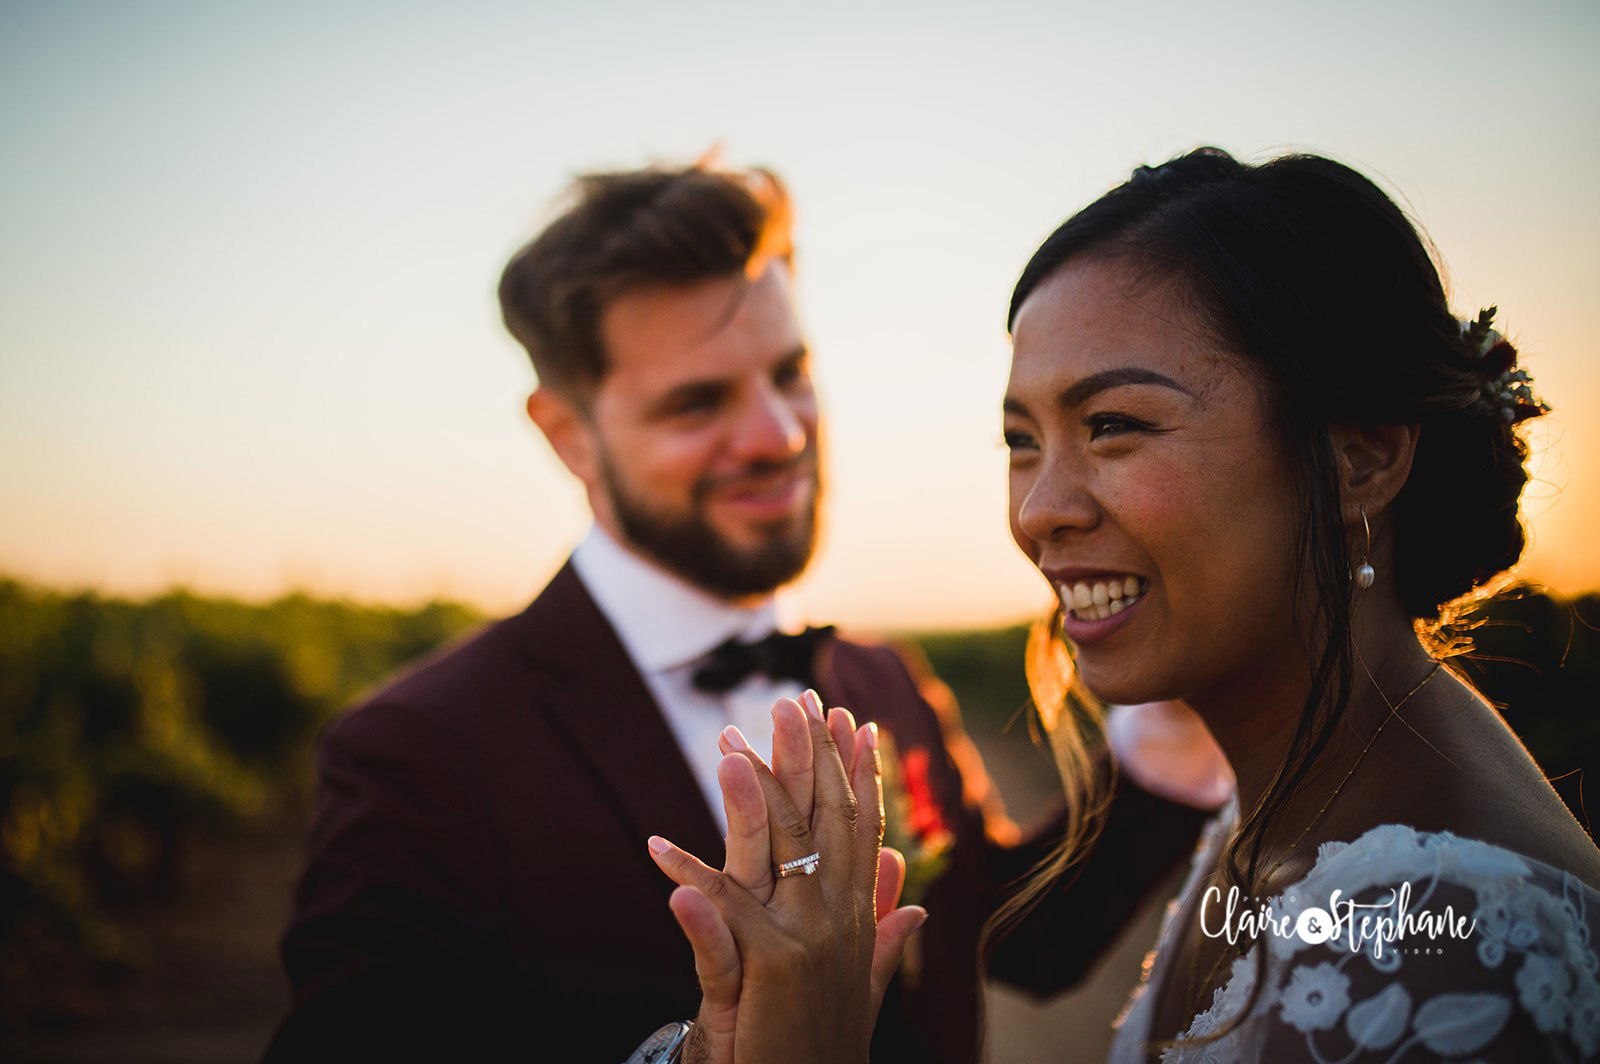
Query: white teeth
x=1102, y=599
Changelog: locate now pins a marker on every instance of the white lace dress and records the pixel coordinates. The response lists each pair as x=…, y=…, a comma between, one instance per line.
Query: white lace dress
x=1520, y=984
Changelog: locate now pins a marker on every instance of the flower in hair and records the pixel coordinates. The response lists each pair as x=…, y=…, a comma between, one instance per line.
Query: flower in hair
x=1507, y=390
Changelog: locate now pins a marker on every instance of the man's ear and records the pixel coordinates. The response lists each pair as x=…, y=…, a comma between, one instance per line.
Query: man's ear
x=1374, y=462
x=568, y=428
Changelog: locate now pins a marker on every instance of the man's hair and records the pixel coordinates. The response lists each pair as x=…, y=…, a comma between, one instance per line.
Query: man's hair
x=628, y=230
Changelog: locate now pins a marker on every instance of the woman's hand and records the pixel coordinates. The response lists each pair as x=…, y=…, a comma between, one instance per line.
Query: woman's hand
x=794, y=969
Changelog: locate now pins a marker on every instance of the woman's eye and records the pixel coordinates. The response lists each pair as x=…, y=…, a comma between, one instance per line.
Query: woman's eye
x=1103, y=425
x=1017, y=441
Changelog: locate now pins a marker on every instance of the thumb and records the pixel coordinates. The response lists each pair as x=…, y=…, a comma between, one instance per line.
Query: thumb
x=894, y=931
x=716, y=965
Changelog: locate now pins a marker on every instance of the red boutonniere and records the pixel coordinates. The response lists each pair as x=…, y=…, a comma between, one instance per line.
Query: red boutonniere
x=914, y=823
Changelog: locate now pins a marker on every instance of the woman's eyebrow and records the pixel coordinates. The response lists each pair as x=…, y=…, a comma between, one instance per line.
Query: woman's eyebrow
x=1096, y=383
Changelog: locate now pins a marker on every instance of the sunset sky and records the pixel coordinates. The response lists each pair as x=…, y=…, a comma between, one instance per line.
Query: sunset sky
x=248, y=254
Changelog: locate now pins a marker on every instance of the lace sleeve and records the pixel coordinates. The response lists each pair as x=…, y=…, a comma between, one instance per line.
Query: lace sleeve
x=1501, y=971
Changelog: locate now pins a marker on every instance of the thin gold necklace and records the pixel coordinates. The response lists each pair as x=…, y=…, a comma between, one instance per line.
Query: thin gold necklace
x=1394, y=711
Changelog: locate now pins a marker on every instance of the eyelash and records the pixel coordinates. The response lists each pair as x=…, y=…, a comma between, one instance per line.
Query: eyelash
x=1100, y=426
x=1013, y=441
x=697, y=404
x=1098, y=423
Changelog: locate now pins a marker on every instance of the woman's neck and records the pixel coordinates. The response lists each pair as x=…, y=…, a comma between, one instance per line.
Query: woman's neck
x=1253, y=716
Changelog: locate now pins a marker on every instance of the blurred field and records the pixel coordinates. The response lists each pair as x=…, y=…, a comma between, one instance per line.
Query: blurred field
x=154, y=779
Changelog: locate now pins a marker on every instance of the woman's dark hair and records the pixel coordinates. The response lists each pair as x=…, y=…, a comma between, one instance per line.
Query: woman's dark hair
x=1310, y=272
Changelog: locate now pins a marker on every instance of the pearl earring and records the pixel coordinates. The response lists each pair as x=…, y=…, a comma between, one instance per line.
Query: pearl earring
x=1365, y=574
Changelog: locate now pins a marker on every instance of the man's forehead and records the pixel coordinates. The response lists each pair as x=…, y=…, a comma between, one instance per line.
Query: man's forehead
x=671, y=330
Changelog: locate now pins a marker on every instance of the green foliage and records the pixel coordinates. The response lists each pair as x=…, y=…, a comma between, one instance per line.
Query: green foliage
x=124, y=726
x=984, y=669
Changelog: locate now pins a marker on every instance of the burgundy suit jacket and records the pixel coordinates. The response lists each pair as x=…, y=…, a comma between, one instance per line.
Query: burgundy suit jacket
x=477, y=885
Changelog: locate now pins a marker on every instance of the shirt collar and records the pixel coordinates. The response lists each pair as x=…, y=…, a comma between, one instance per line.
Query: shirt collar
x=663, y=620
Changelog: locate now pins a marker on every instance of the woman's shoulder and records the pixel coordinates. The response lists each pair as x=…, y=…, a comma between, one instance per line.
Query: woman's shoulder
x=1390, y=851
x=1478, y=788
x=1402, y=941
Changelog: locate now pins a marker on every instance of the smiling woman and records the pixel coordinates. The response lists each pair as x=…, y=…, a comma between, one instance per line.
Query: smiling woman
x=1239, y=393
x=1130, y=442
x=1262, y=464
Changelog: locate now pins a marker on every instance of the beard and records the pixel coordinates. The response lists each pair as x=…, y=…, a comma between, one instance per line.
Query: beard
x=686, y=544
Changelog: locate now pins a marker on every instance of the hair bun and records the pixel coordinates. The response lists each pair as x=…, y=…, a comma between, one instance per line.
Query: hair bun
x=1507, y=390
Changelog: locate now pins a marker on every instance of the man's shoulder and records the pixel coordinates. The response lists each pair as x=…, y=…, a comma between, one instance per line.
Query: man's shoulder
x=503, y=662
x=465, y=670
x=868, y=648
x=470, y=677
x=879, y=660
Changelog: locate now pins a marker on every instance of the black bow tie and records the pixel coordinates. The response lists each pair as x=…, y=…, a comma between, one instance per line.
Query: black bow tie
x=778, y=655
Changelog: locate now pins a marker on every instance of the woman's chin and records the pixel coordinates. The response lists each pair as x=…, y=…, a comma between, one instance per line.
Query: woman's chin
x=1121, y=687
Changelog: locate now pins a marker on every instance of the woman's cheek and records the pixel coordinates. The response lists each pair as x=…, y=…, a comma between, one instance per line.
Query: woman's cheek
x=1159, y=502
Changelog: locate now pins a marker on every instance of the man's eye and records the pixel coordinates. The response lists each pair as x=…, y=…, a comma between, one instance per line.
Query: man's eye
x=1103, y=425
x=789, y=375
x=696, y=404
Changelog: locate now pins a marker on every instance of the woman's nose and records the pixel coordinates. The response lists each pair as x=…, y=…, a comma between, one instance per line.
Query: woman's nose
x=1055, y=503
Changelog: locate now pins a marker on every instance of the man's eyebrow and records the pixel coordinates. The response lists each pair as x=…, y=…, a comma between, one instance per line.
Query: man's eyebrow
x=712, y=387
x=1096, y=383
x=703, y=388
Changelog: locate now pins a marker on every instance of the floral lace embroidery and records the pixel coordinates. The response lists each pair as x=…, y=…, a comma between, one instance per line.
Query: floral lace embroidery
x=1533, y=929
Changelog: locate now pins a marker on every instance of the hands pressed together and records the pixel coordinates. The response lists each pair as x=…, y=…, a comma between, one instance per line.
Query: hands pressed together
x=794, y=967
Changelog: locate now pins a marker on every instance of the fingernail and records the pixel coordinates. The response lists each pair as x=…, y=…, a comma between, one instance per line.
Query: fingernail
x=735, y=737
x=924, y=918
x=872, y=735
x=813, y=703
x=658, y=845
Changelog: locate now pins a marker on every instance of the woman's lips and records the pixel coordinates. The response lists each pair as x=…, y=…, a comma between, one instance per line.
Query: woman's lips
x=1094, y=607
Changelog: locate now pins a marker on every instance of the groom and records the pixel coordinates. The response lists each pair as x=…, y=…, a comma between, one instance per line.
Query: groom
x=477, y=884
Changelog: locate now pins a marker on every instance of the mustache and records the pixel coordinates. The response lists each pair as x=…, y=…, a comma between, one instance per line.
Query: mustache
x=752, y=474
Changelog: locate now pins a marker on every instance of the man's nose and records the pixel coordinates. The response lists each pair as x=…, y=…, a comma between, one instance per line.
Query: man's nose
x=771, y=425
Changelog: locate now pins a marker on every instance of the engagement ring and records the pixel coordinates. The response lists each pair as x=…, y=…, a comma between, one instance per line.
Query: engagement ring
x=800, y=866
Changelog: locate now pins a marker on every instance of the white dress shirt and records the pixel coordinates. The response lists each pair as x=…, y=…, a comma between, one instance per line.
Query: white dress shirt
x=1165, y=748
x=668, y=626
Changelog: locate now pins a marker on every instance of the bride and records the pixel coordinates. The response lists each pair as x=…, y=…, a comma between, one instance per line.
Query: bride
x=1262, y=465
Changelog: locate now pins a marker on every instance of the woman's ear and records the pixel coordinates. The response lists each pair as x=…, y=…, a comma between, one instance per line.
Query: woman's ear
x=1374, y=462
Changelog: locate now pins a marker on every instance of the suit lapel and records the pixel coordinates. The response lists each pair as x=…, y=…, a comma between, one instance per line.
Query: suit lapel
x=612, y=724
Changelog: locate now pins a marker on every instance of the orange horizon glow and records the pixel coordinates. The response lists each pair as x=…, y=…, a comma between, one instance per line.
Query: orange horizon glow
x=251, y=340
